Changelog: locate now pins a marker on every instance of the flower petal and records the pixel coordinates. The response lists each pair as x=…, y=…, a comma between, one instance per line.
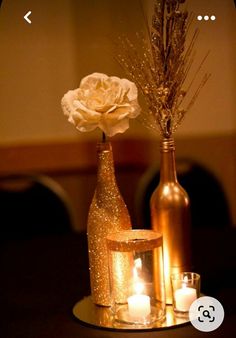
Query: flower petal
x=67, y=101
x=79, y=106
x=112, y=127
x=91, y=81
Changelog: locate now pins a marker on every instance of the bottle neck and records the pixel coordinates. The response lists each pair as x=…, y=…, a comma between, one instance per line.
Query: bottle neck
x=106, y=172
x=168, y=169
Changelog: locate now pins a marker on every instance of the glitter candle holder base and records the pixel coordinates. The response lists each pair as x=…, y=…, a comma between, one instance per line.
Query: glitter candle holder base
x=136, y=277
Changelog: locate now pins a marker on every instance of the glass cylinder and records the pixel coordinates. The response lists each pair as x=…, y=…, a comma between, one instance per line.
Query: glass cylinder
x=136, y=276
x=170, y=216
x=185, y=289
x=107, y=214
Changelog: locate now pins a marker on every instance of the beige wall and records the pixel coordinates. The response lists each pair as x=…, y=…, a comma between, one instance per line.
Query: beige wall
x=70, y=39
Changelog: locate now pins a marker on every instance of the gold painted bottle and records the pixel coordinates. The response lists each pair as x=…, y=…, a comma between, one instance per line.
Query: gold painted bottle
x=170, y=215
x=107, y=214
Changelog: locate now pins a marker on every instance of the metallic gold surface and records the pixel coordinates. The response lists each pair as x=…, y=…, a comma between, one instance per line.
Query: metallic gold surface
x=107, y=214
x=99, y=316
x=170, y=215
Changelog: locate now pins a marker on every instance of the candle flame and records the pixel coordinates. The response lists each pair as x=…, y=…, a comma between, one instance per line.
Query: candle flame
x=137, y=265
x=184, y=285
x=138, y=284
x=138, y=288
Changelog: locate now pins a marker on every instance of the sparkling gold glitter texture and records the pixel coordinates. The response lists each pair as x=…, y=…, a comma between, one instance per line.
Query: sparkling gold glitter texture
x=107, y=214
x=170, y=215
x=159, y=61
x=135, y=240
x=121, y=275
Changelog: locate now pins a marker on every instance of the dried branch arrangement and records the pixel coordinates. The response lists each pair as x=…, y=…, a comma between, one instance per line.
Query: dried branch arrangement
x=159, y=64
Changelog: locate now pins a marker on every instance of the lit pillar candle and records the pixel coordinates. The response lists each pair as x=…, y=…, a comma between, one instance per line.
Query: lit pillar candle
x=184, y=298
x=139, y=305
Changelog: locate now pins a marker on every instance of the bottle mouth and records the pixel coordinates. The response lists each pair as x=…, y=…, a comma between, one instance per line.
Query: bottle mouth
x=104, y=146
x=167, y=144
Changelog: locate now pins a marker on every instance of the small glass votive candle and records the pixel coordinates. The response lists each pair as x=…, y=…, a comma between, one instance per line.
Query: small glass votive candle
x=185, y=290
x=136, y=276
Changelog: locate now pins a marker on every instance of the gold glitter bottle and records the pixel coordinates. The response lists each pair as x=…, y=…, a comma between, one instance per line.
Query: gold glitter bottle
x=170, y=215
x=107, y=214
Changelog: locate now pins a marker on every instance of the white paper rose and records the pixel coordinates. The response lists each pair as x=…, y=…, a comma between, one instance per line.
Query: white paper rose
x=102, y=101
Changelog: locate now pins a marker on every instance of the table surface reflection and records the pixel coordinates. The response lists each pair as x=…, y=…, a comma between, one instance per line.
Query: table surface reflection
x=101, y=317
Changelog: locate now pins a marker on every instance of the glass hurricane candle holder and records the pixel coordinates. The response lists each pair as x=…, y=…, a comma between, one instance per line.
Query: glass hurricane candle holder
x=136, y=276
x=185, y=290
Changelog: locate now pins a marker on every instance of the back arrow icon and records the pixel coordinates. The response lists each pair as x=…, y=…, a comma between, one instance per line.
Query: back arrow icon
x=26, y=17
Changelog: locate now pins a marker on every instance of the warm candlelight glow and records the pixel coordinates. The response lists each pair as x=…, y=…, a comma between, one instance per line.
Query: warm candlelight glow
x=138, y=288
x=138, y=285
x=137, y=264
x=138, y=304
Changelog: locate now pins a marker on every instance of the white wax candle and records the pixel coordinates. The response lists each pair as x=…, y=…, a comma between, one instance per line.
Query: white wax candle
x=139, y=306
x=184, y=298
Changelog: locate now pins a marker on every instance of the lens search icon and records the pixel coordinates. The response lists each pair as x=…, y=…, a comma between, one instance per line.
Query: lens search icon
x=206, y=314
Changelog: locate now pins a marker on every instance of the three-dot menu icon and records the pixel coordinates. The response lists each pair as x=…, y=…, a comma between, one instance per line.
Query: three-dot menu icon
x=206, y=17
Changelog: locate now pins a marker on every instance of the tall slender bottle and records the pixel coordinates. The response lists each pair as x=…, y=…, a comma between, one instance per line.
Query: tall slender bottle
x=107, y=214
x=170, y=215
